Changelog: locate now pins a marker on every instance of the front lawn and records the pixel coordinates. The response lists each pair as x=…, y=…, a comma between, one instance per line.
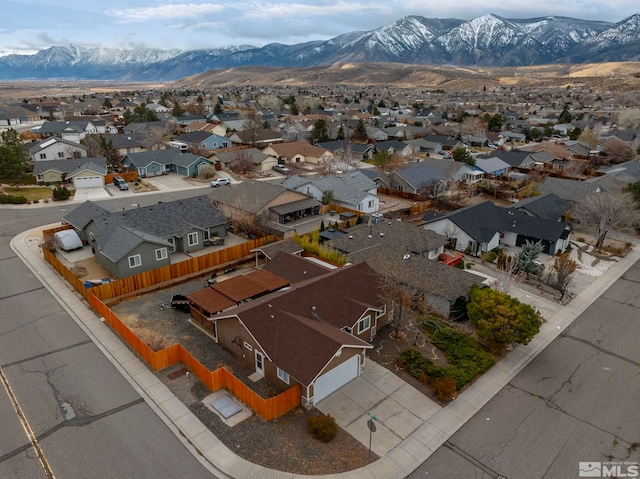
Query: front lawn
x=31, y=193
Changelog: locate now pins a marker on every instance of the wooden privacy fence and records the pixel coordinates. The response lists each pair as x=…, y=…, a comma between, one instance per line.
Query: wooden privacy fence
x=267, y=409
x=65, y=272
x=177, y=271
x=126, y=175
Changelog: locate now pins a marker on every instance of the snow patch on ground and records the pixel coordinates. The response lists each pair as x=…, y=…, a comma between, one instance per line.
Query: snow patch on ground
x=589, y=265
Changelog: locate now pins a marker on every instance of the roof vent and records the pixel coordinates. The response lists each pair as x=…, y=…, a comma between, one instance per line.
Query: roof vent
x=313, y=310
x=381, y=234
x=406, y=256
x=350, y=236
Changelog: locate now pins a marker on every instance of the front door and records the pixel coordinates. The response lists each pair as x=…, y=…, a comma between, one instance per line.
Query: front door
x=259, y=363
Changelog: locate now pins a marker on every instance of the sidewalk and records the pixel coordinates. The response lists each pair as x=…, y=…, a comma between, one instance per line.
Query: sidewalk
x=400, y=461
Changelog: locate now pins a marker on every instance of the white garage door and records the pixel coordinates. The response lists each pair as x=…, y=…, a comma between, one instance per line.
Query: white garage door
x=89, y=181
x=335, y=379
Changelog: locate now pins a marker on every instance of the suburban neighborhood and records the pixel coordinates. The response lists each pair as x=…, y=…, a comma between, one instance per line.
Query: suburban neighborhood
x=352, y=262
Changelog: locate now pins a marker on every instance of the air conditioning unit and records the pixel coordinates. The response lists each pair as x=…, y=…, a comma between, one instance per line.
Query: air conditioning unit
x=374, y=330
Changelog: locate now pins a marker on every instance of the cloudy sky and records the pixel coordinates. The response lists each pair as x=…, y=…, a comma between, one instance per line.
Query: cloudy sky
x=27, y=26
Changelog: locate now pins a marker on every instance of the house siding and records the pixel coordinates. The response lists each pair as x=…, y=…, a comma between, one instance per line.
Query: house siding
x=51, y=177
x=147, y=252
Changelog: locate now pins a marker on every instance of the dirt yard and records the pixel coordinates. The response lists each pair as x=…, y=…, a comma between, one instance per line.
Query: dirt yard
x=283, y=443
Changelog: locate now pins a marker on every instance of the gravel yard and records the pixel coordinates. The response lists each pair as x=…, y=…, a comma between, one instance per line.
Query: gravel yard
x=282, y=443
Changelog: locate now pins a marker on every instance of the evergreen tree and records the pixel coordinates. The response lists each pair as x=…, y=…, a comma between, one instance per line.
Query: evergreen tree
x=528, y=255
x=462, y=154
x=320, y=131
x=501, y=320
x=360, y=131
x=14, y=158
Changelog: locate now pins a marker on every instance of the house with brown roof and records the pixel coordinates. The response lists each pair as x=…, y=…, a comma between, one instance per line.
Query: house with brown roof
x=295, y=152
x=314, y=333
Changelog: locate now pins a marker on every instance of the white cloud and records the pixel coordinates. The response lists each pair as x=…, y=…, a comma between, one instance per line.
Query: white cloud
x=172, y=11
x=286, y=10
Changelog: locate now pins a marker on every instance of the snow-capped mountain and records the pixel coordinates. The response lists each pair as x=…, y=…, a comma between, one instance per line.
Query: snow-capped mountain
x=488, y=40
x=619, y=41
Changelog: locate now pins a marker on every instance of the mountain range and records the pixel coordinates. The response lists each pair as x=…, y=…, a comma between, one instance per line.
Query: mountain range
x=486, y=41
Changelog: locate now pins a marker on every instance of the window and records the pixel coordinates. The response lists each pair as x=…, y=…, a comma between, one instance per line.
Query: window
x=371, y=203
x=364, y=324
x=193, y=239
x=359, y=206
x=283, y=375
x=61, y=154
x=172, y=240
x=43, y=156
x=161, y=253
x=135, y=261
x=382, y=311
x=248, y=346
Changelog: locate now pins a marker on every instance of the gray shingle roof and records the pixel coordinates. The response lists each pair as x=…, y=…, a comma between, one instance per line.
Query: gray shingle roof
x=483, y=220
x=392, y=234
x=250, y=195
x=120, y=231
x=548, y=206
x=350, y=188
x=419, y=273
x=420, y=174
x=83, y=214
x=71, y=166
x=169, y=156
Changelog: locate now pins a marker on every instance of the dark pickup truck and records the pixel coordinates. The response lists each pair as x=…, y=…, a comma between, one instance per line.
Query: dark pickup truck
x=180, y=301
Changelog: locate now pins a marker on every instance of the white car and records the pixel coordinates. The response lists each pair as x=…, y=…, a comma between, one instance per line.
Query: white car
x=281, y=169
x=221, y=182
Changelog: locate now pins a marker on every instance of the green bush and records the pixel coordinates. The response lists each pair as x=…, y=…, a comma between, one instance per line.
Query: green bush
x=61, y=193
x=414, y=363
x=12, y=199
x=323, y=428
x=466, y=356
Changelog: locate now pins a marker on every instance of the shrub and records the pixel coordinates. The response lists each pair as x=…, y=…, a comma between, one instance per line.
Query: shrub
x=444, y=388
x=61, y=193
x=12, y=199
x=466, y=356
x=323, y=428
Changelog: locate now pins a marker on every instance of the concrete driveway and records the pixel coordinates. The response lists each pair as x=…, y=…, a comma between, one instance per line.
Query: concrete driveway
x=399, y=408
x=172, y=182
x=91, y=193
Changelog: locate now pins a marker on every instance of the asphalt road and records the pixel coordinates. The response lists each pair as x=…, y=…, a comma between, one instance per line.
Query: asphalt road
x=577, y=401
x=65, y=410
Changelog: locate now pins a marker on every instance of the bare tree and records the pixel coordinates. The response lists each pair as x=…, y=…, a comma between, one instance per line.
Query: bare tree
x=606, y=211
x=565, y=267
x=252, y=126
x=507, y=276
x=242, y=162
x=94, y=145
x=473, y=125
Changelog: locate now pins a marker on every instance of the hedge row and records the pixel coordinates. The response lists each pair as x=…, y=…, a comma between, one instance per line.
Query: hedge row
x=12, y=199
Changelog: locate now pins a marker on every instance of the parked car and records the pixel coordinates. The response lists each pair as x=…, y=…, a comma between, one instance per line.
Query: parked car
x=120, y=182
x=281, y=169
x=220, y=182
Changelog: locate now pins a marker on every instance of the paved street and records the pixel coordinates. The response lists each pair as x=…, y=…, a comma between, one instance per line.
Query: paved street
x=72, y=386
x=86, y=419
x=576, y=401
